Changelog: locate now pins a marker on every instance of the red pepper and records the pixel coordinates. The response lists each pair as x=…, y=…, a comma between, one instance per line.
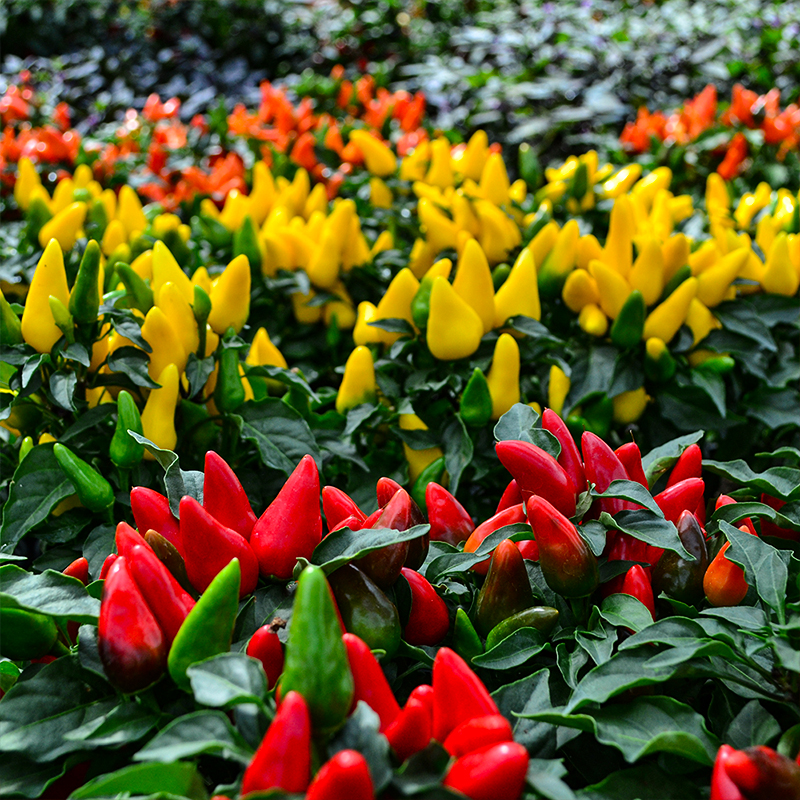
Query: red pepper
x=761, y=773
x=497, y=770
x=458, y=694
x=680, y=497
x=623, y=548
x=726, y=500
x=345, y=777
x=410, y=731
x=688, y=465
x=509, y=516
x=224, y=496
x=266, y=647
x=477, y=733
x=126, y=538
x=570, y=456
x=151, y=512
x=506, y=590
x=424, y=693
x=429, y=620
x=283, y=759
x=208, y=546
x=568, y=565
x=79, y=569
x=291, y=527
x=631, y=458
x=132, y=647
x=169, y=603
x=107, y=564
x=722, y=785
x=602, y=467
x=769, y=528
x=724, y=582
x=353, y=522
x=637, y=584
x=537, y=472
x=371, y=685
x=512, y=496
x=370, y=521
x=450, y=522
x=337, y=506
x=386, y=489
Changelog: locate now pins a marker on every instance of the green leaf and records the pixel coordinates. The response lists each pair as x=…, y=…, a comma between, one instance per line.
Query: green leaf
x=458, y=450
x=734, y=512
x=179, y=779
x=647, y=527
x=672, y=631
x=38, y=486
x=287, y=376
x=515, y=650
x=521, y=423
x=639, y=783
x=623, y=610
x=279, y=432
x=134, y=363
x=781, y=482
x=50, y=593
x=645, y=726
x=62, y=388
x=532, y=327
x=662, y=458
x=752, y=726
x=545, y=777
x=527, y=696
x=393, y=325
x=199, y=733
x=123, y=724
x=342, y=546
x=765, y=568
x=227, y=680
x=631, y=490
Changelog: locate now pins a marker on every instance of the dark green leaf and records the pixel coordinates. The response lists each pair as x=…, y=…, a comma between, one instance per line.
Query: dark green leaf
x=631, y=490
x=623, y=610
x=133, y=362
x=458, y=450
x=123, y=724
x=62, y=388
x=179, y=779
x=647, y=527
x=342, y=546
x=228, y=679
x=527, y=696
x=521, y=423
x=752, y=726
x=782, y=482
x=513, y=651
x=50, y=593
x=393, y=325
x=662, y=458
x=639, y=783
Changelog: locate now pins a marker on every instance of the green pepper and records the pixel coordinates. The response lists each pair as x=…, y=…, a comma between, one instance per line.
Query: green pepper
x=245, y=242
x=316, y=663
x=579, y=183
x=626, y=331
x=10, y=326
x=540, y=219
x=719, y=365
x=124, y=450
x=676, y=576
x=208, y=628
x=139, y=294
x=366, y=611
x=421, y=303
x=229, y=391
x=432, y=473
x=683, y=273
x=62, y=318
x=530, y=169
x=96, y=219
x=36, y=217
x=26, y=445
x=475, y=405
x=541, y=618
x=506, y=590
x=93, y=490
x=499, y=275
x=466, y=641
x=84, y=299
x=659, y=364
x=175, y=244
x=595, y=416
x=26, y=634
x=217, y=234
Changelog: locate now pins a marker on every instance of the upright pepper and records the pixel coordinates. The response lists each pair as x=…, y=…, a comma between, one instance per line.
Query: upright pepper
x=224, y=496
x=475, y=405
x=449, y=520
x=338, y=505
x=626, y=330
x=410, y=731
x=688, y=465
x=369, y=680
x=569, y=457
x=602, y=467
x=124, y=450
x=158, y=416
x=315, y=638
x=229, y=392
x=676, y=576
x=151, y=511
x=10, y=326
x=358, y=383
x=508, y=516
x=503, y=377
x=266, y=647
x=454, y=328
x=230, y=297
x=631, y=458
x=428, y=621
x=568, y=565
x=637, y=584
x=346, y=774
x=170, y=557
x=50, y=278
x=291, y=526
x=506, y=589
x=724, y=583
x=93, y=490
x=283, y=759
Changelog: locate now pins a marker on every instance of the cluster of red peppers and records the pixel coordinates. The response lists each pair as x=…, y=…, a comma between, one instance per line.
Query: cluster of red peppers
x=756, y=773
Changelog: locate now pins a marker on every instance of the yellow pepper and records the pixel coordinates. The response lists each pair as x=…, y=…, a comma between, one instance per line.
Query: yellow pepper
x=380, y=194
x=454, y=328
x=676, y=252
x=780, y=275
x=166, y=345
x=130, y=212
x=27, y=180
x=666, y=318
x=494, y=183
x=611, y=286
x=50, y=278
x=700, y=320
x=588, y=249
x=474, y=156
x=417, y=459
x=438, y=228
x=503, y=376
x=304, y=313
x=235, y=209
x=580, y=289
x=464, y=216
x=230, y=297
x=519, y=294
x=440, y=171
x=714, y=282
x=165, y=268
x=473, y=283
x=557, y=388
x=358, y=384
x=180, y=316
x=707, y=254
x=647, y=272
x=323, y=267
x=158, y=415
x=543, y=242
x=378, y=156
x=363, y=332
x=618, y=250
x=622, y=181
x=413, y=166
x=62, y=195
x=341, y=309
x=560, y=261
x=396, y=303
x=593, y=320
x=65, y=226
x=385, y=241
x=648, y=186
x=629, y=406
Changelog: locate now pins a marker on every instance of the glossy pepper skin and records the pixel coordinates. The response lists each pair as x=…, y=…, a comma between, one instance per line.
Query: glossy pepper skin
x=568, y=565
x=365, y=610
x=168, y=555
x=428, y=621
x=509, y=516
x=631, y=458
x=283, y=759
x=208, y=546
x=291, y=526
x=497, y=770
x=229, y=391
x=688, y=465
x=224, y=496
x=386, y=489
x=84, y=299
x=511, y=496
x=477, y=733
x=338, y=505
x=761, y=773
x=315, y=637
x=151, y=512
x=724, y=583
x=79, y=569
x=637, y=584
x=124, y=450
x=602, y=467
x=537, y=472
x=410, y=730
x=475, y=405
x=725, y=500
x=26, y=634
x=466, y=641
x=133, y=649
x=93, y=490
x=266, y=647
x=345, y=776
x=674, y=575
x=570, y=456
x=449, y=520
x=369, y=681
x=506, y=590
x=543, y=618
x=679, y=497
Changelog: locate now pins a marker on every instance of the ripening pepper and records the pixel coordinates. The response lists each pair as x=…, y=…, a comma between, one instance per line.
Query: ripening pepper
x=345, y=775
x=170, y=557
x=26, y=634
x=291, y=526
x=417, y=460
x=315, y=637
x=151, y=511
x=626, y=330
x=449, y=520
x=676, y=576
x=454, y=327
x=358, y=383
x=208, y=627
x=93, y=490
x=245, y=242
x=568, y=565
x=158, y=416
x=132, y=647
x=369, y=681
x=229, y=391
x=84, y=299
x=62, y=318
x=543, y=618
x=266, y=647
x=433, y=473
x=537, y=472
x=137, y=293
x=569, y=457
x=659, y=365
x=208, y=546
x=10, y=326
x=50, y=278
x=466, y=641
x=511, y=515
x=475, y=405
x=386, y=489
x=365, y=610
x=560, y=261
x=506, y=590
x=124, y=450
x=428, y=621
x=503, y=377
x=755, y=773
x=283, y=759
x=224, y=496
x=724, y=583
